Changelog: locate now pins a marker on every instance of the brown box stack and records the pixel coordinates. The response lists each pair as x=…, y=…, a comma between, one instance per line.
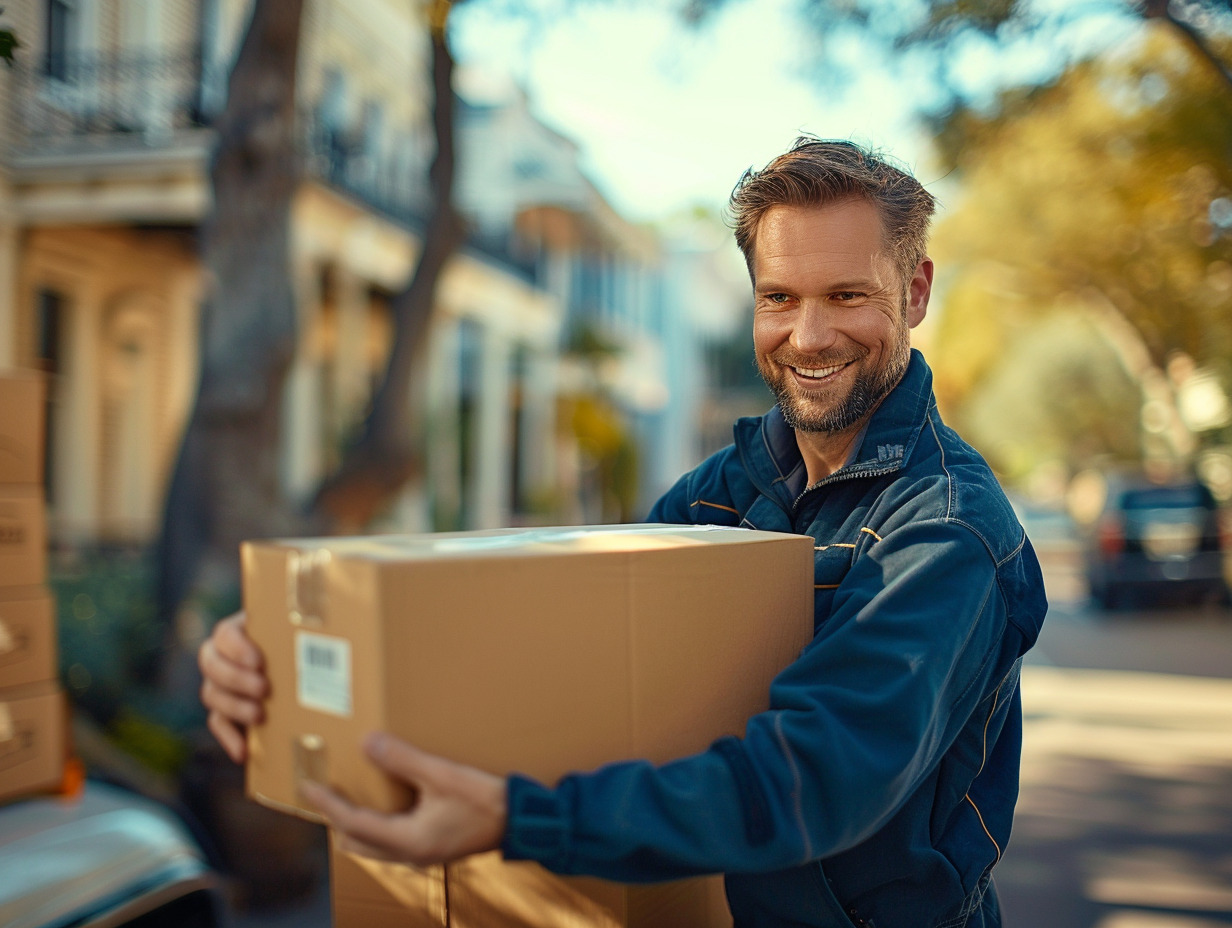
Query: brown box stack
x=33, y=724
x=539, y=651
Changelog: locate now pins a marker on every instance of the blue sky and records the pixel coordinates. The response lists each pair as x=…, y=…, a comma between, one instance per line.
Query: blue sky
x=668, y=117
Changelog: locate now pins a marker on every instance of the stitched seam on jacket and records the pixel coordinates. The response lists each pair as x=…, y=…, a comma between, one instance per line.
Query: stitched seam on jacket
x=703, y=502
x=967, y=796
x=967, y=640
x=1022, y=543
x=765, y=440
x=988, y=721
x=949, y=513
x=797, y=792
x=949, y=481
x=786, y=476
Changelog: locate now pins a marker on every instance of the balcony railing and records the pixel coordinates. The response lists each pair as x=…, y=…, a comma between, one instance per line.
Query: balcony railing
x=395, y=186
x=86, y=104
x=96, y=101
x=392, y=183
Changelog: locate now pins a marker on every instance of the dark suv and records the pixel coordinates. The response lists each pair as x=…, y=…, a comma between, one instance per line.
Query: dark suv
x=1157, y=541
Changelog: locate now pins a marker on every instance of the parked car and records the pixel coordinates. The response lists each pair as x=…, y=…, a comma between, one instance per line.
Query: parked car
x=102, y=859
x=1157, y=542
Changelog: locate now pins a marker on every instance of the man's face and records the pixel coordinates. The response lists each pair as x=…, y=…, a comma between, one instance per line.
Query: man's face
x=831, y=314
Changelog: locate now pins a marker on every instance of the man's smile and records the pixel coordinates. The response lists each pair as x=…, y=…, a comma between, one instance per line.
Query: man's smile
x=817, y=373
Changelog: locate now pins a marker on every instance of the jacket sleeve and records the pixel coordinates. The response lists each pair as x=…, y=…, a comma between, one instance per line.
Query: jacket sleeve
x=854, y=725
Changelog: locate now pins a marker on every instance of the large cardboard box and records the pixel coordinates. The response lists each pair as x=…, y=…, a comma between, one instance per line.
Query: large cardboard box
x=484, y=891
x=23, y=536
x=539, y=651
x=33, y=732
x=367, y=893
x=27, y=636
x=22, y=414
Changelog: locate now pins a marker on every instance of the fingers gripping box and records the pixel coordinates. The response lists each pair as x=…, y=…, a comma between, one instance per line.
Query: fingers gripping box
x=538, y=651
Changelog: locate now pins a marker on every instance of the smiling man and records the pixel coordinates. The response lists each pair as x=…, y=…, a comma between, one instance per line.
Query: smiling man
x=831, y=319
x=879, y=787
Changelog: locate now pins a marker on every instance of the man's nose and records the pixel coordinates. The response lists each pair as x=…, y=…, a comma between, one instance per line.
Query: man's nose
x=814, y=330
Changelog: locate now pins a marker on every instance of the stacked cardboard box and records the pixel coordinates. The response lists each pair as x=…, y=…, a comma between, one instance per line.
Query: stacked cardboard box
x=540, y=651
x=32, y=713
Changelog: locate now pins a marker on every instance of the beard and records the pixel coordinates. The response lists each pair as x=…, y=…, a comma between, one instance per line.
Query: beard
x=871, y=386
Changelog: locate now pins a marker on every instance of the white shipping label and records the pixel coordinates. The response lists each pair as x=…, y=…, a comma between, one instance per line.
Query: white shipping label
x=323, y=673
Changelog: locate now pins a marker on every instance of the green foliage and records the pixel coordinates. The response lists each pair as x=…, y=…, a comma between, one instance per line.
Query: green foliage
x=111, y=648
x=608, y=446
x=1059, y=395
x=8, y=44
x=157, y=746
x=1099, y=195
x=1106, y=186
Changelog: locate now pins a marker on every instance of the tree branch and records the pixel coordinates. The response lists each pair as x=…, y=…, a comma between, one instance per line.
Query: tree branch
x=1162, y=10
x=377, y=466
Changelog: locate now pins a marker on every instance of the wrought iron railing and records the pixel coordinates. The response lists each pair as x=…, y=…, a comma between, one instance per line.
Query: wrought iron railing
x=396, y=187
x=390, y=183
x=89, y=103
x=99, y=100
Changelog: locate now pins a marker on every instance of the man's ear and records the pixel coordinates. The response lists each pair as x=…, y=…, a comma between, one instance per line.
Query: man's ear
x=918, y=292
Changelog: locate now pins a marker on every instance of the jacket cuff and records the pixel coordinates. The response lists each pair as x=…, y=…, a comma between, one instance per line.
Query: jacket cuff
x=537, y=827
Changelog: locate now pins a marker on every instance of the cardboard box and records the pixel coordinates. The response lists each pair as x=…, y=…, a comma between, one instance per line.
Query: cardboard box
x=483, y=890
x=27, y=636
x=33, y=729
x=22, y=419
x=540, y=651
x=374, y=894
x=23, y=536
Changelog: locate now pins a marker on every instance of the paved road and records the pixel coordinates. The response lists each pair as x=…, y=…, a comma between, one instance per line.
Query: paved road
x=1125, y=815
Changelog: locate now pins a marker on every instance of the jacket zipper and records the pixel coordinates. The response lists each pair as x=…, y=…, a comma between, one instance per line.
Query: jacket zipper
x=838, y=476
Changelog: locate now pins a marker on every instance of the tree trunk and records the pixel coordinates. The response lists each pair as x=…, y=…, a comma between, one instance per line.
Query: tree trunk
x=225, y=486
x=386, y=455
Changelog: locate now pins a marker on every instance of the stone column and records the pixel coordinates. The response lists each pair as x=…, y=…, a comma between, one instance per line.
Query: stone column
x=490, y=469
x=538, y=439
x=351, y=374
x=443, y=447
x=302, y=406
x=78, y=456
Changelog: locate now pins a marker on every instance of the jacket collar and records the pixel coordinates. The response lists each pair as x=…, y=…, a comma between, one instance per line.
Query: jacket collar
x=767, y=445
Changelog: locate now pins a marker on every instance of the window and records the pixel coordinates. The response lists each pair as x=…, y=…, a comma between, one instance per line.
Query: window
x=49, y=309
x=61, y=37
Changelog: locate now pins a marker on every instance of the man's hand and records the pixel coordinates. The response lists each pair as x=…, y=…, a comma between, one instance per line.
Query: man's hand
x=458, y=810
x=235, y=684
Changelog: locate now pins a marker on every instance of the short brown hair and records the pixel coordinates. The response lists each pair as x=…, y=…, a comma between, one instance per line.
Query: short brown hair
x=815, y=172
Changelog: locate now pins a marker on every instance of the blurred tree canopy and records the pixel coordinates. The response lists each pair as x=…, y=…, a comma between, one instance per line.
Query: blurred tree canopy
x=933, y=35
x=939, y=26
x=1106, y=196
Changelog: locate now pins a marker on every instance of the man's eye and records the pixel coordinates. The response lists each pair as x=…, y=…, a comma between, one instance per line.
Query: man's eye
x=846, y=296
x=777, y=297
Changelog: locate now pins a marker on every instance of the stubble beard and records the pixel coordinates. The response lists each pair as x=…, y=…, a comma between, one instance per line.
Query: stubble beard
x=871, y=386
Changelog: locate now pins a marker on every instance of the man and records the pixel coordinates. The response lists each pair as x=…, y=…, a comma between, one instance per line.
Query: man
x=879, y=787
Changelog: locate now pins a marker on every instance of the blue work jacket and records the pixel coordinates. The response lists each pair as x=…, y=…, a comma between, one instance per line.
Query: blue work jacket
x=879, y=787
